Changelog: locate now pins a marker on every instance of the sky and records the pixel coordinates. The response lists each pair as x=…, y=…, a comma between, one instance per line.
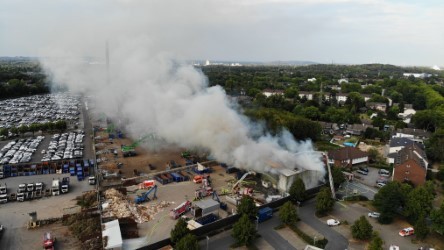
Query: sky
x=324, y=31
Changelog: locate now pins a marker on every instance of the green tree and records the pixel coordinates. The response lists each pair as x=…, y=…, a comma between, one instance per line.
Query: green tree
x=324, y=201
x=4, y=132
x=291, y=93
x=60, y=125
x=244, y=231
x=179, y=231
x=14, y=130
x=34, y=127
x=188, y=242
x=389, y=199
x=23, y=129
x=421, y=229
x=247, y=206
x=437, y=217
x=376, y=243
x=435, y=146
x=288, y=214
x=338, y=176
x=362, y=229
x=311, y=113
x=297, y=190
x=419, y=201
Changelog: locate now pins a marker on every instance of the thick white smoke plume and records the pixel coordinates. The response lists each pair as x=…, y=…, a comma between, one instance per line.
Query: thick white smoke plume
x=154, y=92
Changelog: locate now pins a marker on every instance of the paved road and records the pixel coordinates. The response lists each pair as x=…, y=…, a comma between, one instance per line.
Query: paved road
x=266, y=230
x=335, y=240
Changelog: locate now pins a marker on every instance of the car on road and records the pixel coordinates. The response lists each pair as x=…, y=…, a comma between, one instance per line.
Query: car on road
x=374, y=214
x=333, y=222
x=407, y=231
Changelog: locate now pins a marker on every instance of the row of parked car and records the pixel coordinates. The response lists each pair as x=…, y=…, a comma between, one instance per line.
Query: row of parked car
x=65, y=146
x=20, y=150
x=38, y=109
x=383, y=175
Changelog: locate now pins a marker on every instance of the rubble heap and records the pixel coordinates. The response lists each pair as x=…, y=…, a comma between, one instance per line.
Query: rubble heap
x=120, y=207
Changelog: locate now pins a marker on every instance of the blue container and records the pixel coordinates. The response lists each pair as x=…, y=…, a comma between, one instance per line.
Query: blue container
x=111, y=136
x=207, y=219
x=72, y=171
x=264, y=214
x=177, y=177
x=120, y=135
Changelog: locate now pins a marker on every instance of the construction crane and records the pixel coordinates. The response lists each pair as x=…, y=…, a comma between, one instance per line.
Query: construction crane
x=129, y=150
x=222, y=205
x=145, y=196
x=233, y=190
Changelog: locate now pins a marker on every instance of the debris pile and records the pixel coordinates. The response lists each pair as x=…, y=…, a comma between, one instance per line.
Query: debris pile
x=120, y=207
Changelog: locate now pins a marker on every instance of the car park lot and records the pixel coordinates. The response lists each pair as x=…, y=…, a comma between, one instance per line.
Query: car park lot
x=39, y=109
x=20, y=150
x=14, y=215
x=389, y=233
x=372, y=177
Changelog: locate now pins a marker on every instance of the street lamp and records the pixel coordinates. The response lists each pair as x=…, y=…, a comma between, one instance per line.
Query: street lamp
x=314, y=240
x=257, y=222
x=208, y=241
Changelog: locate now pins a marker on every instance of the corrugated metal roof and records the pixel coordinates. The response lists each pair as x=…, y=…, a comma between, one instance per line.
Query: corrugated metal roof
x=112, y=232
x=206, y=203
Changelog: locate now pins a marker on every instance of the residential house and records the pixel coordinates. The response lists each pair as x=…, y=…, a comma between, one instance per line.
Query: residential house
x=342, y=80
x=357, y=129
x=327, y=128
x=410, y=165
x=406, y=116
x=311, y=80
x=270, y=92
x=306, y=94
x=398, y=143
x=347, y=157
x=417, y=135
x=376, y=106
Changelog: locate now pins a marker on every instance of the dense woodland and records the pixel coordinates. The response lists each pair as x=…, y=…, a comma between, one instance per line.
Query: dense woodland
x=379, y=82
x=21, y=77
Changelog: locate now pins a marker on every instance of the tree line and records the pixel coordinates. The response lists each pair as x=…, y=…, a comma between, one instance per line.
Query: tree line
x=59, y=125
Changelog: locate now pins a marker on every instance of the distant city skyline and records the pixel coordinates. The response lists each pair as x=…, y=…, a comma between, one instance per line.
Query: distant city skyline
x=405, y=33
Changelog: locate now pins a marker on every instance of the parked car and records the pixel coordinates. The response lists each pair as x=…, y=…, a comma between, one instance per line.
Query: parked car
x=365, y=169
x=407, y=231
x=380, y=185
x=333, y=222
x=382, y=180
x=374, y=214
x=384, y=172
x=362, y=172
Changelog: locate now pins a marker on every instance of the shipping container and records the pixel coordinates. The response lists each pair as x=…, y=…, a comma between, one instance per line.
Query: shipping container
x=264, y=214
x=177, y=177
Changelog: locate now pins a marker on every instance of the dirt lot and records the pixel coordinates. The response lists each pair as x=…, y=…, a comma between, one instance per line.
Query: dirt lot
x=158, y=158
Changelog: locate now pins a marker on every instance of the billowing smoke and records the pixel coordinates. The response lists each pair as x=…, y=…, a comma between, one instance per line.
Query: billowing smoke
x=151, y=91
x=154, y=93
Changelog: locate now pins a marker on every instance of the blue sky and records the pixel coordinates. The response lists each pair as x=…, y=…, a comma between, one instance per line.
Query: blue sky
x=325, y=31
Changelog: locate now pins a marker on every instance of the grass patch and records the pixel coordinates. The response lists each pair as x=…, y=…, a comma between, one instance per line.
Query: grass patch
x=321, y=243
x=325, y=146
